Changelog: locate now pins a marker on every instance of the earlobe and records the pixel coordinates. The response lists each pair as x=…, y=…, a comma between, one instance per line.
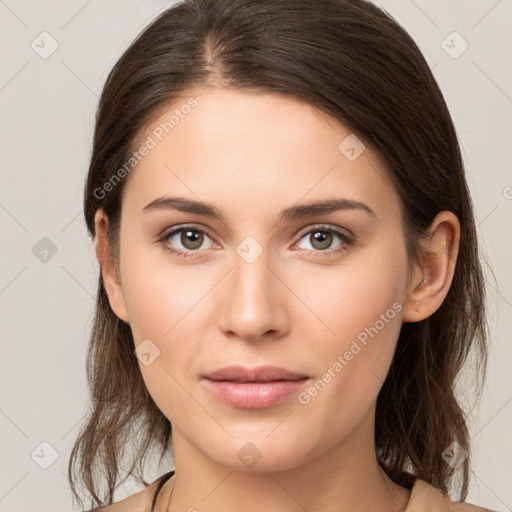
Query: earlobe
x=111, y=280
x=433, y=278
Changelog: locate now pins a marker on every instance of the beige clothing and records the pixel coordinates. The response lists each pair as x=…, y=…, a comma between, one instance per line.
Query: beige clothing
x=424, y=498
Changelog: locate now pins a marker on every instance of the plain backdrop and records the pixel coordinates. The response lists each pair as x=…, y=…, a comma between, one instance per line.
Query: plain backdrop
x=55, y=58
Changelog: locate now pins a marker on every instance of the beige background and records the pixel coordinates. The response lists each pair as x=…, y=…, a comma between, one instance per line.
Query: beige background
x=48, y=107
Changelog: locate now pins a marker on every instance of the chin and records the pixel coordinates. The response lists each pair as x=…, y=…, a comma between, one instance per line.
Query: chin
x=256, y=455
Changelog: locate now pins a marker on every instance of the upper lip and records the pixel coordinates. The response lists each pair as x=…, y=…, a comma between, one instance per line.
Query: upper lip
x=259, y=374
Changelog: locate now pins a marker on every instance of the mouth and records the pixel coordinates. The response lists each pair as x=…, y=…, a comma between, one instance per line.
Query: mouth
x=260, y=374
x=259, y=388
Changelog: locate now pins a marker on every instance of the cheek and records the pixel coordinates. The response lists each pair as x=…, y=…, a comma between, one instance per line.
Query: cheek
x=359, y=318
x=363, y=307
x=160, y=294
x=343, y=301
x=165, y=303
x=162, y=303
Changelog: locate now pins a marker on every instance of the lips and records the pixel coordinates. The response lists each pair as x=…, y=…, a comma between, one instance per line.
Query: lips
x=259, y=374
x=259, y=388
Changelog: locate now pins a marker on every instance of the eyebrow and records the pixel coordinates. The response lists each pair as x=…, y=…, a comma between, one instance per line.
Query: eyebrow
x=294, y=212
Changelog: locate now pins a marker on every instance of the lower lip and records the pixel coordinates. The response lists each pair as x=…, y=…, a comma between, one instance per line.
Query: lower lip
x=254, y=395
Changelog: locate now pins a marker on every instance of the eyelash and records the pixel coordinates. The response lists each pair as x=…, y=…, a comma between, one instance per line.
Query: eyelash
x=345, y=239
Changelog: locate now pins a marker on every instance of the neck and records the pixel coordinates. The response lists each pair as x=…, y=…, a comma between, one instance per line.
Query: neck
x=346, y=477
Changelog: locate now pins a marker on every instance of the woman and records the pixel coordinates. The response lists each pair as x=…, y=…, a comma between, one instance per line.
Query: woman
x=290, y=273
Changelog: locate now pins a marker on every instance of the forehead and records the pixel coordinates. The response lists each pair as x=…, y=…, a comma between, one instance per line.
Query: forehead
x=228, y=146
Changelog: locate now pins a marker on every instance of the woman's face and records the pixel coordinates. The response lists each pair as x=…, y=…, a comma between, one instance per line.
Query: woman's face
x=257, y=288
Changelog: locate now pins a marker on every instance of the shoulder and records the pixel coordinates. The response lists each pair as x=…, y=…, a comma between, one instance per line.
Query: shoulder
x=139, y=502
x=425, y=497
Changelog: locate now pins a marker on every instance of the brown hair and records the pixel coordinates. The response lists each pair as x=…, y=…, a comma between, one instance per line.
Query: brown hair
x=354, y=62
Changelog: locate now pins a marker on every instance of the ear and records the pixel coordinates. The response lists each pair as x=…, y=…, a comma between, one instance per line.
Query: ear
x=109, y=271
x=432, y=279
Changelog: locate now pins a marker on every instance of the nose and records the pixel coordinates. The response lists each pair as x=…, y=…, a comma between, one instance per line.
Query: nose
x=252, y=300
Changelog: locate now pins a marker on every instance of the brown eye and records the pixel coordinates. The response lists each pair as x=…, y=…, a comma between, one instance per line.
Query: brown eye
x=321, y=240
x=184, y=241
x=191, y=238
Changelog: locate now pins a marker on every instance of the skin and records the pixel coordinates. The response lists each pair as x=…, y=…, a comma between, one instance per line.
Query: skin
x=252, y=155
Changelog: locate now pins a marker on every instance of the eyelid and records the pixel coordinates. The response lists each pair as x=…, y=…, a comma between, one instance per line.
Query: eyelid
x=199, y=227
x=319, y=227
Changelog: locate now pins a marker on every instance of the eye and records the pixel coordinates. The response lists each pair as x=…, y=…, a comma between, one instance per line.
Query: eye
x=190, y=237
x=321, y=238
